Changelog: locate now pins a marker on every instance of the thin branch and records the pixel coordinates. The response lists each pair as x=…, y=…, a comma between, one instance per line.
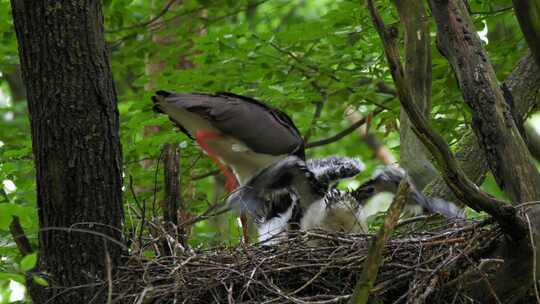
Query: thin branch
x=462, y=187
x=205, y=175
x=373, y=260
x=147, y=23
x=492, y=11
x=341, y=134
x=17, y=232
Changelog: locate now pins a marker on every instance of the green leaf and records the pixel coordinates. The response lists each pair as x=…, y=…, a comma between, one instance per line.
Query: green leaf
x=40, y=281
x=28, y=262
x=7, y=276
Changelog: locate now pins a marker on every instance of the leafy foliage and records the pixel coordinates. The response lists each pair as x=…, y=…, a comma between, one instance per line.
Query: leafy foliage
x=294, y=55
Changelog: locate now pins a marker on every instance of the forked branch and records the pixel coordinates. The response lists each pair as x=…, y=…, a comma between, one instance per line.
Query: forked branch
x=464, y=189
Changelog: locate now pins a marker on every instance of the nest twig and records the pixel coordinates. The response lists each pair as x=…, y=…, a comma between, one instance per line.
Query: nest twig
x=310, y=267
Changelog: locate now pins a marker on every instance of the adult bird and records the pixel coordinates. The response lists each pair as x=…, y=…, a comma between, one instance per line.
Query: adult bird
x=234, y=131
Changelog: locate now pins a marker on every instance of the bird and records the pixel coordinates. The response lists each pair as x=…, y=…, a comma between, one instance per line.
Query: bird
x=293, y=194
x=269, y=177
x=235, y=131
x=387, y=179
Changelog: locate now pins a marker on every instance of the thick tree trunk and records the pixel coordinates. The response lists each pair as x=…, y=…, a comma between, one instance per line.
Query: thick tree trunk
x=493, y=121
x=524, y=84
x=74, y=122
x=414, y=157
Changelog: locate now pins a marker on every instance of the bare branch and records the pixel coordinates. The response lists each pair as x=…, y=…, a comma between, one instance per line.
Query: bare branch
x=414, y=157
x=381, y=152
x=492, y=118
x=375, y=252
x=341, y=134
x=462, y=187
x=17, y=232
x=174, y=205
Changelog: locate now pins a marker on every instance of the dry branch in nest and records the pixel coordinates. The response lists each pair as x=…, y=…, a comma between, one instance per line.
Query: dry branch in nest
x=314, y=267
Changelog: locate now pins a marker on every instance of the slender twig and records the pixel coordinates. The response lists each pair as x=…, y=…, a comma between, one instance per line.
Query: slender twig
x=341, y=134
x=205, y=175
x=142, y=208
x=145, y=24
x=375, y=253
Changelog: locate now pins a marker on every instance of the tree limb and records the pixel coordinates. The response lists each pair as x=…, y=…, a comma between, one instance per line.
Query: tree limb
x=381, y=152
x=413, y=155
x=17, y=232
x=524, y=84
x=462, y=187
x=341, y=134
x=174, y=205
x=492, y=120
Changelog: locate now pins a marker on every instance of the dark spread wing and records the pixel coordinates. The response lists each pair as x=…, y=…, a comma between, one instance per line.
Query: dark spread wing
x=263, y=194
x=262, y=128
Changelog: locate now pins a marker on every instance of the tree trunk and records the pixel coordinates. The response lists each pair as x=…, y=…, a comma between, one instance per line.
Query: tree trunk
x=524, y=84
x=173, y=205
x=413, y=155
x=74, y=123
x=528, y=15
x=494, y=123
x=492, y=119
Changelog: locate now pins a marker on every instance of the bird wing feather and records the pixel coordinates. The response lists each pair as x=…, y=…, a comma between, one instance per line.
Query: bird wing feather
x=262, y=128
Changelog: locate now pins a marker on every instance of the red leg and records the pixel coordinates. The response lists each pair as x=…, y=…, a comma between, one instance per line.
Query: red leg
x=231, y=182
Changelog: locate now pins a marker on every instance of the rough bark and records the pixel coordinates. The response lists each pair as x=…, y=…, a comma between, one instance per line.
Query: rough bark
x=524, y=84
x=173, y=194
x=462, y=187
x=74, y=124
x=492, y=120
x=413, y=155
x=499, y=137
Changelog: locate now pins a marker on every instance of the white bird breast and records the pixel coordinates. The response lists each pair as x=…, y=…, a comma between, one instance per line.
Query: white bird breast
x=341, y=216
x=269, y=231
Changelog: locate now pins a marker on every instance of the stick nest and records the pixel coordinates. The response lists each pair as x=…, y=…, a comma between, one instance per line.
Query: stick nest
x=422, y=263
